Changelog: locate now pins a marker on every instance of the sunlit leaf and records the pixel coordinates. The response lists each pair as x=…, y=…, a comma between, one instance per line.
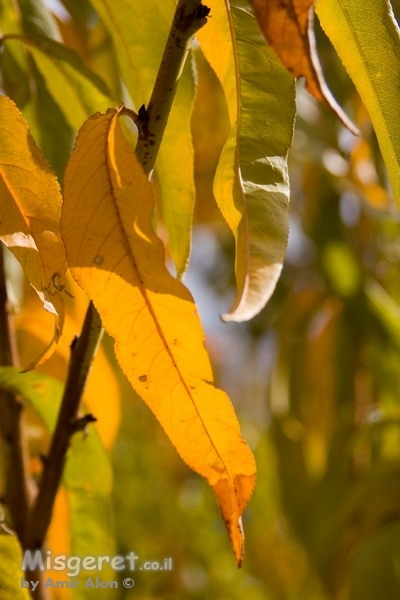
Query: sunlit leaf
x=24, y=85
x=102, y=394
x=288, y=27
x=87, y=476
x=10, y=567
x=115, y=256
x=366, y=37
x=139, y=31
x=30, y=209
x=251, y=184
x=77, y=90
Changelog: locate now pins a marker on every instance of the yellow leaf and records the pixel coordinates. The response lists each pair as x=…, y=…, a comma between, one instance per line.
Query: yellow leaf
x=30, y=208
x=58, y=540
x=102, y=394
x=115, y=256
x=251, y=184
x=288, y=27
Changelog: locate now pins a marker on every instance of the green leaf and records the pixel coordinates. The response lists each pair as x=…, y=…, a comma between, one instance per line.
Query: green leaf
x=76, y=89
x=175, y=165
x=81, y=11
x=139, y=30
x=366, y=37
x=251, y=184
x=49, y=127
x=10, y=568
x=87, y=476
x=385, y=307
x=36, y=18
x=13, y=60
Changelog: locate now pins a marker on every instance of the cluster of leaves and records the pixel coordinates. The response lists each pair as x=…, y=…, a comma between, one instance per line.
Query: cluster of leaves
x=102, y=225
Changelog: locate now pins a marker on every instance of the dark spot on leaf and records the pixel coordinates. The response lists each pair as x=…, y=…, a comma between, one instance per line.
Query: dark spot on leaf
x=143, y=378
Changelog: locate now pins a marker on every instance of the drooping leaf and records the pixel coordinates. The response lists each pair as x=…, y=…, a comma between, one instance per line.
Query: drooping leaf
x=13, y=60
x=366, y=37
x=36, y=18
x=49, y=126
x=87, y=476
x=24, y=85
x=251, y=184
x=77, y=90
x=115, y=256
x=288, y=27
x=30, y=207
x=10, y=567
x=139, y=30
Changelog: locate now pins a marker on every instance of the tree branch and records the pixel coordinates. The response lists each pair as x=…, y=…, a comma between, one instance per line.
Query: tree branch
x=83, y=351
x=190, y=16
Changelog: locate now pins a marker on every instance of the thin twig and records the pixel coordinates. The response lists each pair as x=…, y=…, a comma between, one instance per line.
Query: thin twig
x=83, y=351
x=190, y=16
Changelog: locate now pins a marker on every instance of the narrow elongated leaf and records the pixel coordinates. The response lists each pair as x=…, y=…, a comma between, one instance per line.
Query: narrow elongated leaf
x=366, y=37
x=87, y=477
x=115, y=256
x=14, y=78
x=47, y=124
x=35, y=18
x=77, y=90
x=30, y=207
x=251, y=184
x=288, y=27
x=139, y=30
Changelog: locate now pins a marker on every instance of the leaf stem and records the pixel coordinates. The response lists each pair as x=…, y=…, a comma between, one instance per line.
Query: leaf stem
x=83, y=350
x=190, y=16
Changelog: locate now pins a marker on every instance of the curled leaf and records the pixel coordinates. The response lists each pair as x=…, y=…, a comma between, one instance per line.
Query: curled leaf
x=117, y=259
x=30, y=209
x=288, y=27
x=251, y=185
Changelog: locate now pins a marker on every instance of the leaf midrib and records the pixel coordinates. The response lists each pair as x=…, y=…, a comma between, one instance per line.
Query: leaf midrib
x=149, y=306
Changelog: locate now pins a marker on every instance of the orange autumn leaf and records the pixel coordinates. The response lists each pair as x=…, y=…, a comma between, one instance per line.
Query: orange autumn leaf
x=102, y=393
x=288, y=27
x=30, y=210
x=117, y=259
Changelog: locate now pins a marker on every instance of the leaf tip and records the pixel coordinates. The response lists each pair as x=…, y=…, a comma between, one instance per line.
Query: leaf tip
x=232, y=498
